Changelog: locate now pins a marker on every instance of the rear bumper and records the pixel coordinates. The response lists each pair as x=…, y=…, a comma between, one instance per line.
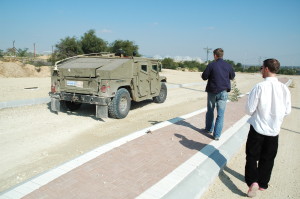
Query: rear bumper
x=75, y=97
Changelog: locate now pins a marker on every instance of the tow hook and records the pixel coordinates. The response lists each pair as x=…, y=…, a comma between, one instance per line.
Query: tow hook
x=74, y=98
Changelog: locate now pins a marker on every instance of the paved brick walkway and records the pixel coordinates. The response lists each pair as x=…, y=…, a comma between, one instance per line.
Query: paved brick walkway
x=129, y=170
x=132, y=168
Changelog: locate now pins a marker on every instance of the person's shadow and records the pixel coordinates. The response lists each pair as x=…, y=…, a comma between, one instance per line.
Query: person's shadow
x=224, y=177
x=219, y=159
x=209, y=150
x=189, y=125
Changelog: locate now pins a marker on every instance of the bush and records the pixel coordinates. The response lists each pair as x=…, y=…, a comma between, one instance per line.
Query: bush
x=289, y=71
x=39, y=63
x=169, y=63
x=235, y=92
x=202, y=67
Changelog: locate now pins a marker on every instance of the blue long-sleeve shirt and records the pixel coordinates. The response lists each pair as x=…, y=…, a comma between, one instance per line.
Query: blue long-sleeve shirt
x=218, y=73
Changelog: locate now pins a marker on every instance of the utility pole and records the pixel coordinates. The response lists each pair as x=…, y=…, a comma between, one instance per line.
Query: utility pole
x=52, y=56
x=207, y=51
x=14, y=49
x=34, y=50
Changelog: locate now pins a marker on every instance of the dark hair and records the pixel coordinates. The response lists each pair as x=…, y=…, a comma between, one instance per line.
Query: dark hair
x=272, y=64
x=219, y=52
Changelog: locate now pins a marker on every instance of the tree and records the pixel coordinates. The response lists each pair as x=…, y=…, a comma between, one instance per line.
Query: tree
x=288, y=71
x=202, y=67
x=238, y=67
x=90, y=43
x=11, y=51
x=1, y=53
x=230, y=62
x=169, y=63
x=253, y=69
x=67, y=47
x=128, y=47
x=190, y=65
x=22, y=53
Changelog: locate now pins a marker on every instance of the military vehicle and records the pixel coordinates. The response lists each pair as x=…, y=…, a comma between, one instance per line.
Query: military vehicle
x=110, y=82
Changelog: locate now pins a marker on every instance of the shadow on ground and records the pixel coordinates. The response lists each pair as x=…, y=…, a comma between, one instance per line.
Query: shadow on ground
x=224, y=176
x=89, y=110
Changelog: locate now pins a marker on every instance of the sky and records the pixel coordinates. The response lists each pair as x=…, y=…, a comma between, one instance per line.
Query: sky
x=249, y=31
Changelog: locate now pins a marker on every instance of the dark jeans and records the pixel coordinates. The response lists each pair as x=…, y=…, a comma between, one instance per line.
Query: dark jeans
x=261, y=151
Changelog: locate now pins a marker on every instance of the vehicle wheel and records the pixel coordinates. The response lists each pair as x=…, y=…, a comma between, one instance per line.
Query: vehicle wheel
x=72, y=106
x=120, y=104
x=162, y=94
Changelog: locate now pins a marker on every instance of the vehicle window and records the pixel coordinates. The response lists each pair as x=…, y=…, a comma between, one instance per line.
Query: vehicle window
x=154, y=67
x=144, y=68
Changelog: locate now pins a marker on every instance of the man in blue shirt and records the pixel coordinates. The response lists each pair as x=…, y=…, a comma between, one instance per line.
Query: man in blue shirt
x=218, y=73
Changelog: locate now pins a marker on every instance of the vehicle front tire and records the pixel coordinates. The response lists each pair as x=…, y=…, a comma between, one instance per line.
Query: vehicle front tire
x=120, y=104
x=161, y=98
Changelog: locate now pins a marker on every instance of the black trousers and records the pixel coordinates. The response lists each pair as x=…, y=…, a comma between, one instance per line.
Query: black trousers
x=261, y=151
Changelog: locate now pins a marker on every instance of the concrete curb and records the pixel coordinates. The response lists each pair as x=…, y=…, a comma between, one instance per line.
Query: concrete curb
x=28, y=102
x=197, y=182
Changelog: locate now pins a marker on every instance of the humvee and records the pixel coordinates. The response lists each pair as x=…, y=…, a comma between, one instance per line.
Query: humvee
x=110, y=82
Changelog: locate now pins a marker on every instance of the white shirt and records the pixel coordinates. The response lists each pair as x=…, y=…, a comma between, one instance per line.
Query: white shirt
x=268, y=102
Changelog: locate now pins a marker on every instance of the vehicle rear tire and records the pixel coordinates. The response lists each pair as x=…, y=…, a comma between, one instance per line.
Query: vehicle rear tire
x=161, y=98
x=120, y=104
x=72, y=106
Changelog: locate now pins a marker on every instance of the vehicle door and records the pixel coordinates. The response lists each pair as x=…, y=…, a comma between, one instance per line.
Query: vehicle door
x=154, y=78
x=143, y=79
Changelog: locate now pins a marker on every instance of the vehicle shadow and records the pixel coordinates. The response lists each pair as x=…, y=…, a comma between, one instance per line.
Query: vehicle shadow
x=89, y=110
x=137, y=105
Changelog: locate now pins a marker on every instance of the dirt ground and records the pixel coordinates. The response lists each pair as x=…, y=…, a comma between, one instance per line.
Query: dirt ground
x=285, y=181
x=19, y=81
x=33, y=139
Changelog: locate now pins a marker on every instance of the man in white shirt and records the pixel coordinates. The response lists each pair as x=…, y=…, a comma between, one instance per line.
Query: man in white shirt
x=268, y=103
